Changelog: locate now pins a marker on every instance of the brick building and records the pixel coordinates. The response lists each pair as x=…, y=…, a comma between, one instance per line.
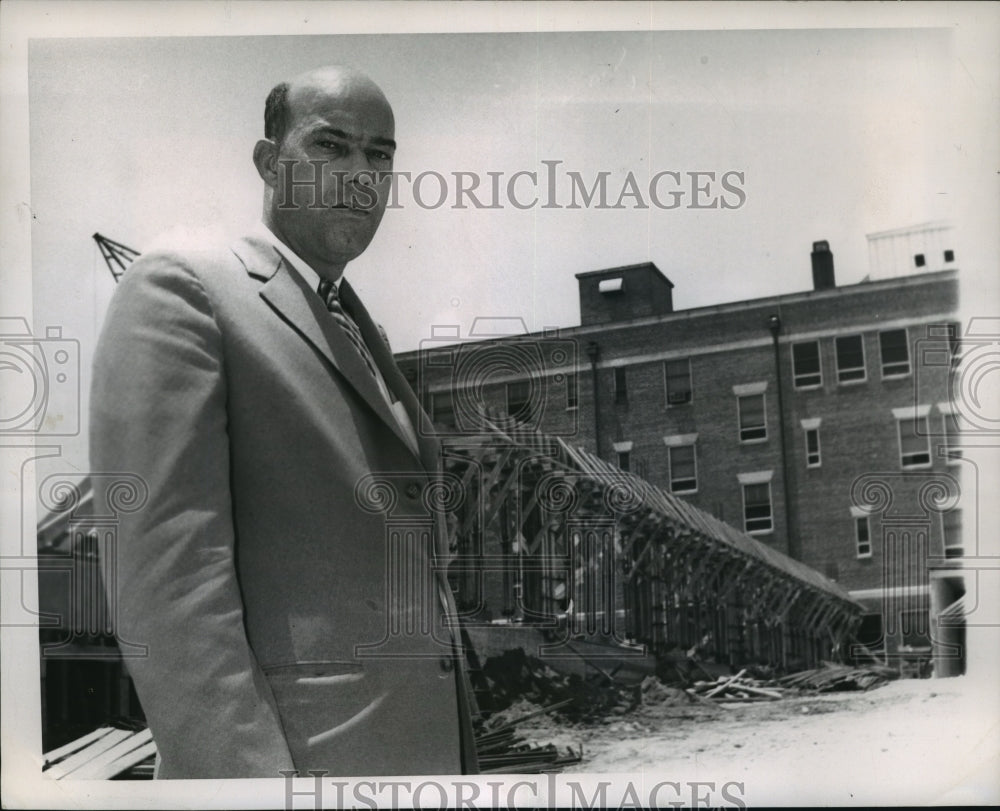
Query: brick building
x=819, y=422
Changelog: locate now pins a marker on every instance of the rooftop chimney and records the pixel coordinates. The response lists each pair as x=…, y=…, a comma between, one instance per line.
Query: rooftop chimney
x=822, y=262
x=624, y=293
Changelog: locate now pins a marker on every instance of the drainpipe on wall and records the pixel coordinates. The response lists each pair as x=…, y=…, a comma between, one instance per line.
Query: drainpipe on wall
x=593, y=350
x=774, y=324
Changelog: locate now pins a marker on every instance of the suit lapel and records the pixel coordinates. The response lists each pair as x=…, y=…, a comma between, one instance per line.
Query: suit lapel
x=429, y=446
x=292, y=300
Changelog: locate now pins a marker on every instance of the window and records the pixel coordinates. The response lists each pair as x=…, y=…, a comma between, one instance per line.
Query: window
x=933, y=351
x=862, y=536
x=810, y=428
x=753, y=425
x=850, y=358
x=895, y=353
x=757, y=508
x=677, y=377
x=949, y=256
x=443, y=408
x=683, y=471
x=952, y=434
x=805, y=365
x=572, y=394
x=954, y=333
x=914, y=442
x=621, y=385
x=919, y=260
x=812, y=447
x=951, y=525
x=624, y=452
x=519, y=400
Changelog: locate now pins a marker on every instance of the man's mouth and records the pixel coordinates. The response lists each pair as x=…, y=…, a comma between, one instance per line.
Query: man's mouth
x=349, y=207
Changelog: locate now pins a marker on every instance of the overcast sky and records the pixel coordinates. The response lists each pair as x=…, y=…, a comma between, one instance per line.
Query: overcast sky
x=833, y=134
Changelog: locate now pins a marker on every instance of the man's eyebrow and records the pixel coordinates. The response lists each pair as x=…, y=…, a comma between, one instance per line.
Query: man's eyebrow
x=378, y=140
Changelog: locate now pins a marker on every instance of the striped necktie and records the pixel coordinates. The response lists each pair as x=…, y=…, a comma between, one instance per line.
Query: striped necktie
x=328, y=292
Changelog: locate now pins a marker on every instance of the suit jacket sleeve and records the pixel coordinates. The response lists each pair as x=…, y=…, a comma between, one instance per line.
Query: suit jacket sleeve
x=158, y=409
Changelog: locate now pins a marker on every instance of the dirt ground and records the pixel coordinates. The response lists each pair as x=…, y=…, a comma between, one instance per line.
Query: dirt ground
x=918, y=741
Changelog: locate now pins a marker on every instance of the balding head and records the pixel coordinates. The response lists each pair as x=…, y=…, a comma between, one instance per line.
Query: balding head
x=339, y=79
x=326, y=160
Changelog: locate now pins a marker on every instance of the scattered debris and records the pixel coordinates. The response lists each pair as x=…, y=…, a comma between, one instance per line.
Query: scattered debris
x=515, y=688
x=737, y=688
x=513, y=675
x=828, y=678
x=833, y=677
x=108, y=752
x=656, y=693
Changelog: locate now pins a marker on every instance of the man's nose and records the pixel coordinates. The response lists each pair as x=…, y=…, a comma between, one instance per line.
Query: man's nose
x=358, y=169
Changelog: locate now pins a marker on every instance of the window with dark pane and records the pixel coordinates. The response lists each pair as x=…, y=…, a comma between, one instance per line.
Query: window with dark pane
x=624, y=460
x=752, y=421
x=572, y=393
x=678, y=381
x=757, y=507
x=895, y=353
x=683, y=478
x=863, y=538
x=805, y=364
x=850, y=358
x=621, y=385
x=914, y=442
x=952, y=527
x=812, y=448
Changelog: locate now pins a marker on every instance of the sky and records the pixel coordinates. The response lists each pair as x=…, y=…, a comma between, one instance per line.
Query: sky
x=835, y=134
x=827, y=133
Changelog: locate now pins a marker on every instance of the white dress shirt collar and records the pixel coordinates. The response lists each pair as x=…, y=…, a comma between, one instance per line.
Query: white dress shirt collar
x=309, y=276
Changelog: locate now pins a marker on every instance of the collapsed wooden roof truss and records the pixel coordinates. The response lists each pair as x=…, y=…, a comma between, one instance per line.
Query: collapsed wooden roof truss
x=691, y=554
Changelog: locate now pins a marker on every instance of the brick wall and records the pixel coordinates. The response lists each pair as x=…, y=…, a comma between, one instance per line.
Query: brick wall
x=730, y=345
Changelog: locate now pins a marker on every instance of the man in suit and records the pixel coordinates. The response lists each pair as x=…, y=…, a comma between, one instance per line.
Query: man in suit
x=288, y=624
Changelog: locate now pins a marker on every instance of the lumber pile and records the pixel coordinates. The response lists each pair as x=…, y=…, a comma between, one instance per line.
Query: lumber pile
x=517, y=688
x=831, y=677
x=501, y=749
x=527, y=759
x=737, y=688
x=826, y=679
x=121, y=749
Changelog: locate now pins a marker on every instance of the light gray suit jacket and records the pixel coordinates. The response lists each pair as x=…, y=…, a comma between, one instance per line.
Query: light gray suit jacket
x=293, y=619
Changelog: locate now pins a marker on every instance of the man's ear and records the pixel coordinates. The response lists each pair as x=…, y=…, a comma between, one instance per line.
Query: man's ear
x=265, y=158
